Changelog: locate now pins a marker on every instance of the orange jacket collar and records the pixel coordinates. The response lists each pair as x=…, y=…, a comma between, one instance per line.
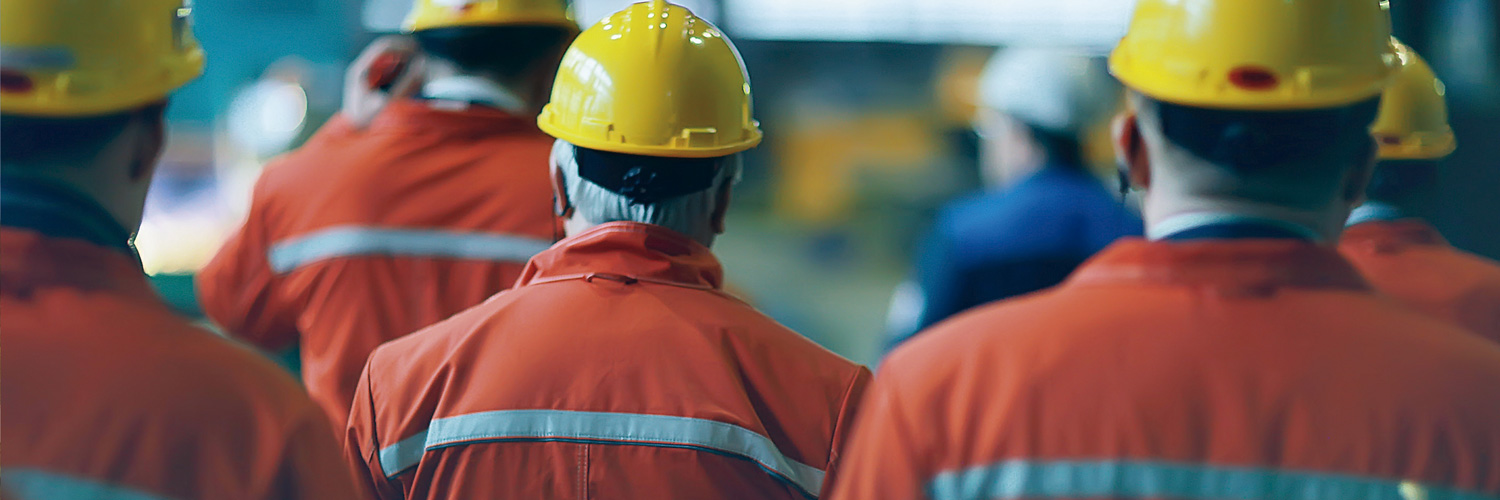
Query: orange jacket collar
x=628, y=250
x=1390, y=236
x=29, y=260
x=1241, y=264
x=418, y=116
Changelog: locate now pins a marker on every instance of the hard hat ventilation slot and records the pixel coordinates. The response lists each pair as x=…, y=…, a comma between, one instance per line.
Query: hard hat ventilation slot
x=15, y=82
x=1253, y=78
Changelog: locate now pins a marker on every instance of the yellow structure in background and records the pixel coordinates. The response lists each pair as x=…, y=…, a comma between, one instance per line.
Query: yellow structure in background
x=822, y=155
x=819, y=162
x=957, y=88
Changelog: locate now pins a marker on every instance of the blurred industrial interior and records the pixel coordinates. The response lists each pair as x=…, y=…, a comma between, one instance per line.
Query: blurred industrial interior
x=866, y=106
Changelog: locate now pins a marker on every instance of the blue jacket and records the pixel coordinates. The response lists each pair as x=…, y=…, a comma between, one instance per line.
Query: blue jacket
x=1007, y=243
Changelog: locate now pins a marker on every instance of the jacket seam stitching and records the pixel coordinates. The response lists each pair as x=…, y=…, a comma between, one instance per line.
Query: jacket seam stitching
x=373, y=456
x=843, y=407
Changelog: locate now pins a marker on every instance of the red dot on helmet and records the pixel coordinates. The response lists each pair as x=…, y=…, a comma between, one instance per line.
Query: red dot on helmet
x=1390, y=139
x=12, y=81
x=1253, y=78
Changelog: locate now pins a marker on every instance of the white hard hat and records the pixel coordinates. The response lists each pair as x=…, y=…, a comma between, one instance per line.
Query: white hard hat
x=1053, y=89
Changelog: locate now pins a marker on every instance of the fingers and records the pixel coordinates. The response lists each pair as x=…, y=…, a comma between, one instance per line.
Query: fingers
x=409, y=81
x=389, y=68
x=398, y=45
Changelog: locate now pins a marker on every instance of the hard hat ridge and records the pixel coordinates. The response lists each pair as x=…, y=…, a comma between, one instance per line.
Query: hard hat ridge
x=654, y=80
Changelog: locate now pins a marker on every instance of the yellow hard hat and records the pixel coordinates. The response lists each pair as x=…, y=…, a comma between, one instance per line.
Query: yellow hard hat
x=653, y=80
x=433, y=14
x=79, y=58
x=1413, y=122
x=1257, y=54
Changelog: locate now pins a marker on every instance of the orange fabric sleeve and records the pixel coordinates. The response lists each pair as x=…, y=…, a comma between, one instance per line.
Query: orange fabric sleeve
x=362, y=444
x=853, y=399
x=237, y=290
x=882, y=460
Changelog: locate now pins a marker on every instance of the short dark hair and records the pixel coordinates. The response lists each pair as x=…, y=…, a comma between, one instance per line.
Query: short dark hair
x=1247, y=141
x=31, y=140
x=506, y=51
x=1394, y=181
x=647, y=179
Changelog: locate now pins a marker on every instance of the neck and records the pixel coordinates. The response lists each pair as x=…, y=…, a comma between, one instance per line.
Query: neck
x=577, y=225
x=448, y=84
x=1420, y=205
x=1008, y=176
x=1164, y=214
x=124, y=208
x=61, y=211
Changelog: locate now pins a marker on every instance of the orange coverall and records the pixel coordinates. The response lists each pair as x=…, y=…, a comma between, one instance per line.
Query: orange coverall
x=1408, y=259
x=107, y=394
x=1246, y=369
x=360, y=237
x=617, y=368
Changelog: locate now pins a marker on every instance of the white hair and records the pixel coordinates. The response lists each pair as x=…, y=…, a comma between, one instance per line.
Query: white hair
x=690, y=214
x=1055, y=89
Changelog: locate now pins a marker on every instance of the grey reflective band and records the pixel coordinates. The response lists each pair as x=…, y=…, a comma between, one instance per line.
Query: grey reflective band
x=606, y=428
x=33, y=484
x=352, y=241
x=1148, y=479
x=404, y=454
x=1373, y=211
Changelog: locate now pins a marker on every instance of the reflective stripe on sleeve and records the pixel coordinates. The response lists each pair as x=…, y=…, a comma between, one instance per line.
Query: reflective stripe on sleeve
x=606, y=428
x=29, y=484
x=1147, y=479
x=403, y=455
x=349, y=241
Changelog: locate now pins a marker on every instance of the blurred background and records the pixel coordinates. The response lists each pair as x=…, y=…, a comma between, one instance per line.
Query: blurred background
x=866, y=105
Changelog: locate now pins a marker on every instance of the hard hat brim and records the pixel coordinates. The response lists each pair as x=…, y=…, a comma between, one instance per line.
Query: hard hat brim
x=753, y=139
x=566, y=25
x=1428, y=147
x=132, y=96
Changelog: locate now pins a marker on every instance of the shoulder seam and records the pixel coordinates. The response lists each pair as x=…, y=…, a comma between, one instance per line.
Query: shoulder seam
x=838, y=419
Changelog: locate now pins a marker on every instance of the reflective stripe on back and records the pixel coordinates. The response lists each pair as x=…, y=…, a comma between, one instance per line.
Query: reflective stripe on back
x=605, y=428
x=1146, y=479
x=33, y=484
x=349, y=241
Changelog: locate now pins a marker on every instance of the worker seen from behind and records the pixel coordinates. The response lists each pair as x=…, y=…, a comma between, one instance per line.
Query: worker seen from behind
x=106, y=393
x=1388, y=240
x=367, y=234
x=1043, y=214
x=618, y=367
x=1234, y=354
